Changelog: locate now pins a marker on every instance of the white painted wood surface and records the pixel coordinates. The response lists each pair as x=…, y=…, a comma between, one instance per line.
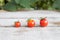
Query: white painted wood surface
x=51, y=32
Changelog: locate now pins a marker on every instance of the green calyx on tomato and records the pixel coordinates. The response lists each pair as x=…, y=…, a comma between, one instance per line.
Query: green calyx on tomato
x=43, y=18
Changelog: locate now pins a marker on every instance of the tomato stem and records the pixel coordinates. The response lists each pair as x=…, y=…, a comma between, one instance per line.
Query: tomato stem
x=43, y=18
x=29, y=19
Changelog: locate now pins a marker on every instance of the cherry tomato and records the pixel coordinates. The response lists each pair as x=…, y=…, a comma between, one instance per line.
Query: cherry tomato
x=43, y=22
x=31, y=23
x=17, y=24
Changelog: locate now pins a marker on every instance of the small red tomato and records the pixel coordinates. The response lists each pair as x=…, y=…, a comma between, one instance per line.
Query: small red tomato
x=31, y=23
x=17, y=24
x=43, y=22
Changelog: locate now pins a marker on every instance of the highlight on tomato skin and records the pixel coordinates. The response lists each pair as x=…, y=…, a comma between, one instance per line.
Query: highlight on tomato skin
x=17, y=24
x=31, y=23
x=43, y=22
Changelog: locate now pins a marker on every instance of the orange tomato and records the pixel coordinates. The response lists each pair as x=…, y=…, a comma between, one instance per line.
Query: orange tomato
x=31, y=23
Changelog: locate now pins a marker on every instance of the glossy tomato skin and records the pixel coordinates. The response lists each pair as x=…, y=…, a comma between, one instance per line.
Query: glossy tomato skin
x=31, y=23
x=43, y=22
x=17, y=24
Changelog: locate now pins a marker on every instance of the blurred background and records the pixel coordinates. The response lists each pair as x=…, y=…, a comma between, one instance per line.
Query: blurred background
x=18, y=5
